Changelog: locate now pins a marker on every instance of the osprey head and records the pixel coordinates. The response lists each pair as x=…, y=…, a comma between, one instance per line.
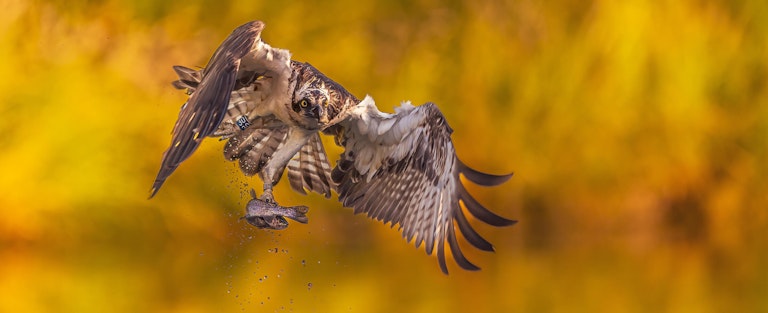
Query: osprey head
x=310, y=106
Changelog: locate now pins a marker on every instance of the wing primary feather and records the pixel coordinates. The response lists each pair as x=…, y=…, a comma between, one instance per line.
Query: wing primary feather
x=456, y=251
x=378, y=208
x=481, y=178
x=429, y=242
x=373, y=203
x=408, y=233
x=428, y=230
x=479, y=211
x=441, y=257
x=470, y=234
x=420, y=240
x=188, y=78
x=389, y=215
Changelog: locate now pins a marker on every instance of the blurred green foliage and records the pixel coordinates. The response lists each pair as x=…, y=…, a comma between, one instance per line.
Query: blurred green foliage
x=636, y=129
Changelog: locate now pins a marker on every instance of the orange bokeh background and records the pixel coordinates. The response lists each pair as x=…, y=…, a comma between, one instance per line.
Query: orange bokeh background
x=636, y=131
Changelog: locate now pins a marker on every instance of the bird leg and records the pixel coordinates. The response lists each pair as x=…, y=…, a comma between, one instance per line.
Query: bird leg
x=267, y=195
x=264, y=212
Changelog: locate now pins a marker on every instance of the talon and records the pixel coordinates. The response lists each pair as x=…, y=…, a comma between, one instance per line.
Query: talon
x=256, y=221
x=276, y=222
x=268, y=222
x=267, y=197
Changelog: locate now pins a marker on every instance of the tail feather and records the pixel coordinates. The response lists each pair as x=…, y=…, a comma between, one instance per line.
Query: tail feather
x=310, y=170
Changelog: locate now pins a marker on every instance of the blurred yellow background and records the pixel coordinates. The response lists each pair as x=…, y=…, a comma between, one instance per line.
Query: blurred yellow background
x=636, y=131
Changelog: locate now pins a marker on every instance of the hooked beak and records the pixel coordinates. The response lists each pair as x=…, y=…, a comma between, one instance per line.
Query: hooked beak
x=321, y=116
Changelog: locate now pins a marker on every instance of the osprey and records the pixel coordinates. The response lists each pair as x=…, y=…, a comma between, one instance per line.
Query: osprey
x=397, y=168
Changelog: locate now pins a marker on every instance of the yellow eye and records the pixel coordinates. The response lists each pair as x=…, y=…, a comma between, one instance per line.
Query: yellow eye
x=304, y=103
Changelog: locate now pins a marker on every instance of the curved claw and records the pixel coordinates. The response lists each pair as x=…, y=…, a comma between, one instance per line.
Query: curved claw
x=267, y=197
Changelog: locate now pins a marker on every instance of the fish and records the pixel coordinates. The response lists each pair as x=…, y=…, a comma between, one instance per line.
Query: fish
x=270, y=215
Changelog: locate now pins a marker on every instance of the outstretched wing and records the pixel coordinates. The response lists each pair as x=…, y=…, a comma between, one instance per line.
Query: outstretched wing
x=402, y=169
x=239, y=62
x=205, y=108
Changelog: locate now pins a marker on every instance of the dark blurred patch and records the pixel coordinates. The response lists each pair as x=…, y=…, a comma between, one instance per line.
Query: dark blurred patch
x=685, y=220
x=537, y=223
x=351, y=234
x=578, y=14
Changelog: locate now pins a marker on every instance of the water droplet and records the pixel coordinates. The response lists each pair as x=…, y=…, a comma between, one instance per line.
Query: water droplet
x=309, y=286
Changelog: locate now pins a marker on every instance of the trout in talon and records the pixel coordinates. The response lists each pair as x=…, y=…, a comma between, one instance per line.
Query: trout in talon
x=264, y=214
